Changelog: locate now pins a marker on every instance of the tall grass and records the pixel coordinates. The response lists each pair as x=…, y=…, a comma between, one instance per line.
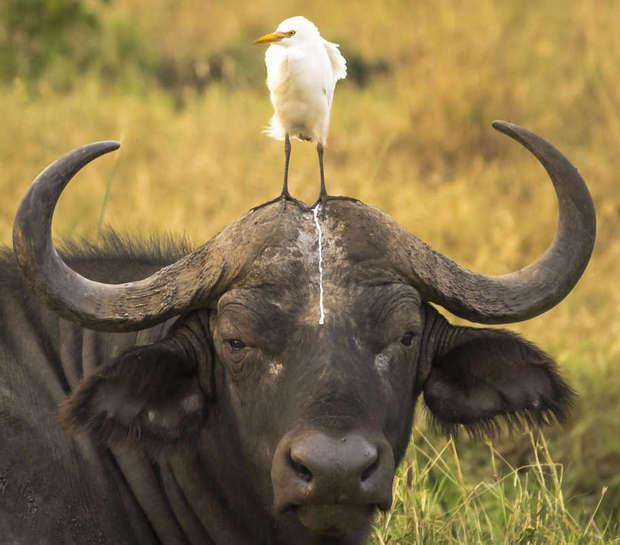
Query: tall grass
x=416, y=142
x=436, y=503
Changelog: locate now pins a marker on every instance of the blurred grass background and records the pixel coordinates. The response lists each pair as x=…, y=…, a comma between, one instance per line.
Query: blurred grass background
x=179, y=83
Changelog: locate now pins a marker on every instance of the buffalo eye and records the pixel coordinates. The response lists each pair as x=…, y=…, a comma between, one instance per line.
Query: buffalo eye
x=407, y=338
x=236, y=345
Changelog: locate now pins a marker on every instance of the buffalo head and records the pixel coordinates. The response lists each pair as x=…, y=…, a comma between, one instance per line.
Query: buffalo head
x=308, y=358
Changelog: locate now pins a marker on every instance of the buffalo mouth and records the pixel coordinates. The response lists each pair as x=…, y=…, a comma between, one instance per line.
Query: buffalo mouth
x=333, y=520
x=332, y=483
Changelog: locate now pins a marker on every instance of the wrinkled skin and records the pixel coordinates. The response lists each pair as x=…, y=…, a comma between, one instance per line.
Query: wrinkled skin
x=249, y=422
x=361, y=371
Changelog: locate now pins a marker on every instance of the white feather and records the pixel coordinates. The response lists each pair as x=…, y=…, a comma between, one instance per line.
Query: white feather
x=275, y=129
x=302, y=71
x=339, y=63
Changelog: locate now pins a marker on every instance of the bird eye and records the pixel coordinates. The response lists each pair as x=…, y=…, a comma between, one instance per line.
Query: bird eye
x=407, y=338
x=292, y=33
x=235, y=344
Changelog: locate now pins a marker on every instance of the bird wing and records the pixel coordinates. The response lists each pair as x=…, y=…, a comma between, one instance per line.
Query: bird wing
x=338, y=62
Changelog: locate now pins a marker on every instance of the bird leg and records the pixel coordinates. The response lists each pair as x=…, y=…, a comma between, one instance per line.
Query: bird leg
x=287, y=158
x=323, y=196
x=285, y=196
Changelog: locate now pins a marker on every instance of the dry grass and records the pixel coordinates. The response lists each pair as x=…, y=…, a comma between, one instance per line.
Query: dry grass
x=417, y=143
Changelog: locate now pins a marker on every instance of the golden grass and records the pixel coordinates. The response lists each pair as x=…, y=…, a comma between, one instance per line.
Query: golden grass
x=435, y=504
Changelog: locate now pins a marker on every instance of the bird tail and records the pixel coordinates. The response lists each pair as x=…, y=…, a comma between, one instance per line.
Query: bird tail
x=275, y=129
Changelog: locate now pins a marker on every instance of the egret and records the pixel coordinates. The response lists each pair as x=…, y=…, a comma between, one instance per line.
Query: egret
x=302, y=71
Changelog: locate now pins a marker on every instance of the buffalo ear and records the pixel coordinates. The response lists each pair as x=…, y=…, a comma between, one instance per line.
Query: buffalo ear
x=487, y=373
x=149, y=393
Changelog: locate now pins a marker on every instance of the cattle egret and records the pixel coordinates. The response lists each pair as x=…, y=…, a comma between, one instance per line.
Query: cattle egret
x=302, y=70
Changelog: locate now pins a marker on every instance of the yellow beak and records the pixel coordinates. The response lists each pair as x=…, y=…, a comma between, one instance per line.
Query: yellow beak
x=272, y=37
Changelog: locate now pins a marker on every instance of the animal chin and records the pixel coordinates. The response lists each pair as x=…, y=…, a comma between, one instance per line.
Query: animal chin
x=335, y=518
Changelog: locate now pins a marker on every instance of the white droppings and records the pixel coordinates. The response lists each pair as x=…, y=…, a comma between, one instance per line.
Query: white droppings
x=275, y=368
x=319, y=231
x=382, y=362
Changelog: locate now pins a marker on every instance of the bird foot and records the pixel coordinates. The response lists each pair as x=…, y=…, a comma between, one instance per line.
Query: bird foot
x=284, y=198
x=321, y=203
x=322, y=200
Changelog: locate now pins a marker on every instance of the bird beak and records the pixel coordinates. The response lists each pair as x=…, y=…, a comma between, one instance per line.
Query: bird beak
x=272, y=37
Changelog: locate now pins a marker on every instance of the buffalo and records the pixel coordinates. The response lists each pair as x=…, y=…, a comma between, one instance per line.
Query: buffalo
x=259, y=389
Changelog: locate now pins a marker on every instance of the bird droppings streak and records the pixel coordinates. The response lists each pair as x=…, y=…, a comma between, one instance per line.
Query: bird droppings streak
x=319, y=231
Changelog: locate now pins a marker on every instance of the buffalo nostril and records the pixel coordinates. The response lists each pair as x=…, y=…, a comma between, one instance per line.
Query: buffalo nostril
x=300, y=470
x=371, y=468
x=313, y=472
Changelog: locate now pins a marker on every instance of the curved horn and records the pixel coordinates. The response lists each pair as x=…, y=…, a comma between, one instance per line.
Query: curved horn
x=185, y=284
x=530, y=291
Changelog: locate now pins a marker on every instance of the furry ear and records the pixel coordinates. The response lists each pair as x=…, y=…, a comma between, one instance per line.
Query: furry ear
x=487, y=373
x=149, y=393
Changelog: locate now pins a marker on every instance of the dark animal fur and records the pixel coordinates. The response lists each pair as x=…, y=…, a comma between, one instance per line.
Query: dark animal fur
x=459, y=373
x=155, y=378
x=473, y=365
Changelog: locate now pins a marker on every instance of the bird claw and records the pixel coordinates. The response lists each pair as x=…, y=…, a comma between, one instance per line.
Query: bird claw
x=321, y=204
x=323, y=200
x=284, y=198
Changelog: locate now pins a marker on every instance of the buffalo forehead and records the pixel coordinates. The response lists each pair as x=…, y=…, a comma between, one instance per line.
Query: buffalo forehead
x=356, y=255
x=358, y=245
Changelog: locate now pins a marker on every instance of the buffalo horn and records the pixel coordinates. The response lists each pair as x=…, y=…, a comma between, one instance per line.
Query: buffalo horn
x=536, y=288
x=188, y=283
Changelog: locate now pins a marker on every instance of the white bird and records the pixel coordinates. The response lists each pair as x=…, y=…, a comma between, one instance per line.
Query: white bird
x=302, y=71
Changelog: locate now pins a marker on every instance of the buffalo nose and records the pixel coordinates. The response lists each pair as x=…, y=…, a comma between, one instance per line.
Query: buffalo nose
x=314, y=468
x=346, y=462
